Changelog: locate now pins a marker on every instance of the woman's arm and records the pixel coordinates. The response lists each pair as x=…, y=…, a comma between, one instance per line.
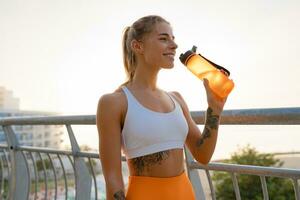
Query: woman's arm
x=202, y=146
x=109, y=129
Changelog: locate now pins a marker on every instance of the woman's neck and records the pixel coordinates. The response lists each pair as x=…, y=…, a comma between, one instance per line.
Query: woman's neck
x=144, y=78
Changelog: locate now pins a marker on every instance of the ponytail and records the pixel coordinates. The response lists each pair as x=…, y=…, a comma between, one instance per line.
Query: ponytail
x=128, y=55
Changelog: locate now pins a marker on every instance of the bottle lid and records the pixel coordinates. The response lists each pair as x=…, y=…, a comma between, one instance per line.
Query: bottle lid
x=184, y=57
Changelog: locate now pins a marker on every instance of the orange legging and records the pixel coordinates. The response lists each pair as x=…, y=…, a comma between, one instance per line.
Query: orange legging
x=156, y=188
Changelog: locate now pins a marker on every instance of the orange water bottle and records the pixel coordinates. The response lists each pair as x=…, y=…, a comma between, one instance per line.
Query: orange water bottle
x=220, y=84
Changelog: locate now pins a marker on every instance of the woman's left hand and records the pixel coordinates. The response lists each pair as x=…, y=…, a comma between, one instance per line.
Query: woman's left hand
x=214, y=102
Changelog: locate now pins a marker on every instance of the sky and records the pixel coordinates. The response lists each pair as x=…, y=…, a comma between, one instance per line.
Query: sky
x=61, y=56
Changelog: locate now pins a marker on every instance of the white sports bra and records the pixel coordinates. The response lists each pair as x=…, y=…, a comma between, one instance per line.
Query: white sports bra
x=146, y=131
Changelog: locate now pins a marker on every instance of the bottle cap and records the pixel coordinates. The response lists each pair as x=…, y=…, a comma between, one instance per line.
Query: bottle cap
x=184, y=57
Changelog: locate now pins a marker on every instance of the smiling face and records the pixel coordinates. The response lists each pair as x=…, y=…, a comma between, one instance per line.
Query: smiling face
x=159, y=47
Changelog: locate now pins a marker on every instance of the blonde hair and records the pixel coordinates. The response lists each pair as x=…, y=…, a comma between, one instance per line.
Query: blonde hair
x=136, y=32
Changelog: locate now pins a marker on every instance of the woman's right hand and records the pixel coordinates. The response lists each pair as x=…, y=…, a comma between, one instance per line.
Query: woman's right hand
x=214, y=102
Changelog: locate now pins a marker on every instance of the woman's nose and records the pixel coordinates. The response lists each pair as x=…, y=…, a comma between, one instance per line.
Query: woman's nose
x=174, y=45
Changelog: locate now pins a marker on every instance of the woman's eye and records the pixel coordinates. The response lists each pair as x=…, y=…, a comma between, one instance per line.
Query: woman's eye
x=163, y=39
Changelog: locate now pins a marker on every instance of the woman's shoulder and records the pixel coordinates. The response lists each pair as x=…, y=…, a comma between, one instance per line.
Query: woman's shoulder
x=114, y=100
x=179, y=98
x=177, y=95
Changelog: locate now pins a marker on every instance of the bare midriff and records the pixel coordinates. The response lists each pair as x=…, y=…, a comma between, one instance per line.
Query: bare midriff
x=167, y=163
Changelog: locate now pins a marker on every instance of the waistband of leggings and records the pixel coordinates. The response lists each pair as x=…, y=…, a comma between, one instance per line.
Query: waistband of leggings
x=172, y=178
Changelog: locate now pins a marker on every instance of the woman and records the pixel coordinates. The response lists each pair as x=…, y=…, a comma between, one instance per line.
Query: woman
x=150, y=125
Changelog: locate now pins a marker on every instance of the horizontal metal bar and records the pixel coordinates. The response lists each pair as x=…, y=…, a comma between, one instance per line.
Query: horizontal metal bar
x=61, y=152
x=249, y=169
x=286, y=153
x=263, y=116
x=50, y=120
x=55, y=151
x=43, y=150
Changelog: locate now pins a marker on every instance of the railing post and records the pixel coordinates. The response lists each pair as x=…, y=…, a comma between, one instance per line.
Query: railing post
x=235, y=186
x=194, y=175
x=264, y=187
x=83, y=179
x=212, y=189
x=296, y=189
x=19, y=177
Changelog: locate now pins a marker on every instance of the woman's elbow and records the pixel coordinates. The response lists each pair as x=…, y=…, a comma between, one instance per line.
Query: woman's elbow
x=203, y=160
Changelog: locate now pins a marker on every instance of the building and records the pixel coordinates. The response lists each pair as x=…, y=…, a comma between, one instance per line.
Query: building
x=7, y=100
x=29, y=135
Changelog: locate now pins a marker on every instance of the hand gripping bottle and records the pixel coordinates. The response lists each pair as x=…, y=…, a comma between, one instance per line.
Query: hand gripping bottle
x=200, y=66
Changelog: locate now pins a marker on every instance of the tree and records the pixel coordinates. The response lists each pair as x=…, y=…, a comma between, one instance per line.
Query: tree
x=249, y=185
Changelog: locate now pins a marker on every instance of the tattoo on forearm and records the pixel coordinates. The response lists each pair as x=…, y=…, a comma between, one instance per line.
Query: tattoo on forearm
x=206, y=134
x=143, y=162
x=212, y=120
x=119, y=195
x=212, y=123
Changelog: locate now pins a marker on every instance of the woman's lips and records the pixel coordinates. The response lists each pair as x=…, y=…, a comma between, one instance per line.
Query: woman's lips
x=170, y=55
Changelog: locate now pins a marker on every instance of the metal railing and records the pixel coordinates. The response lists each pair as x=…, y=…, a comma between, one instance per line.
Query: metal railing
x=272, y=116
x=26, y=171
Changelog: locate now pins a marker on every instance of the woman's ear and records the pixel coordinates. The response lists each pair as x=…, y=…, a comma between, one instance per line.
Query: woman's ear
x=137, y=46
